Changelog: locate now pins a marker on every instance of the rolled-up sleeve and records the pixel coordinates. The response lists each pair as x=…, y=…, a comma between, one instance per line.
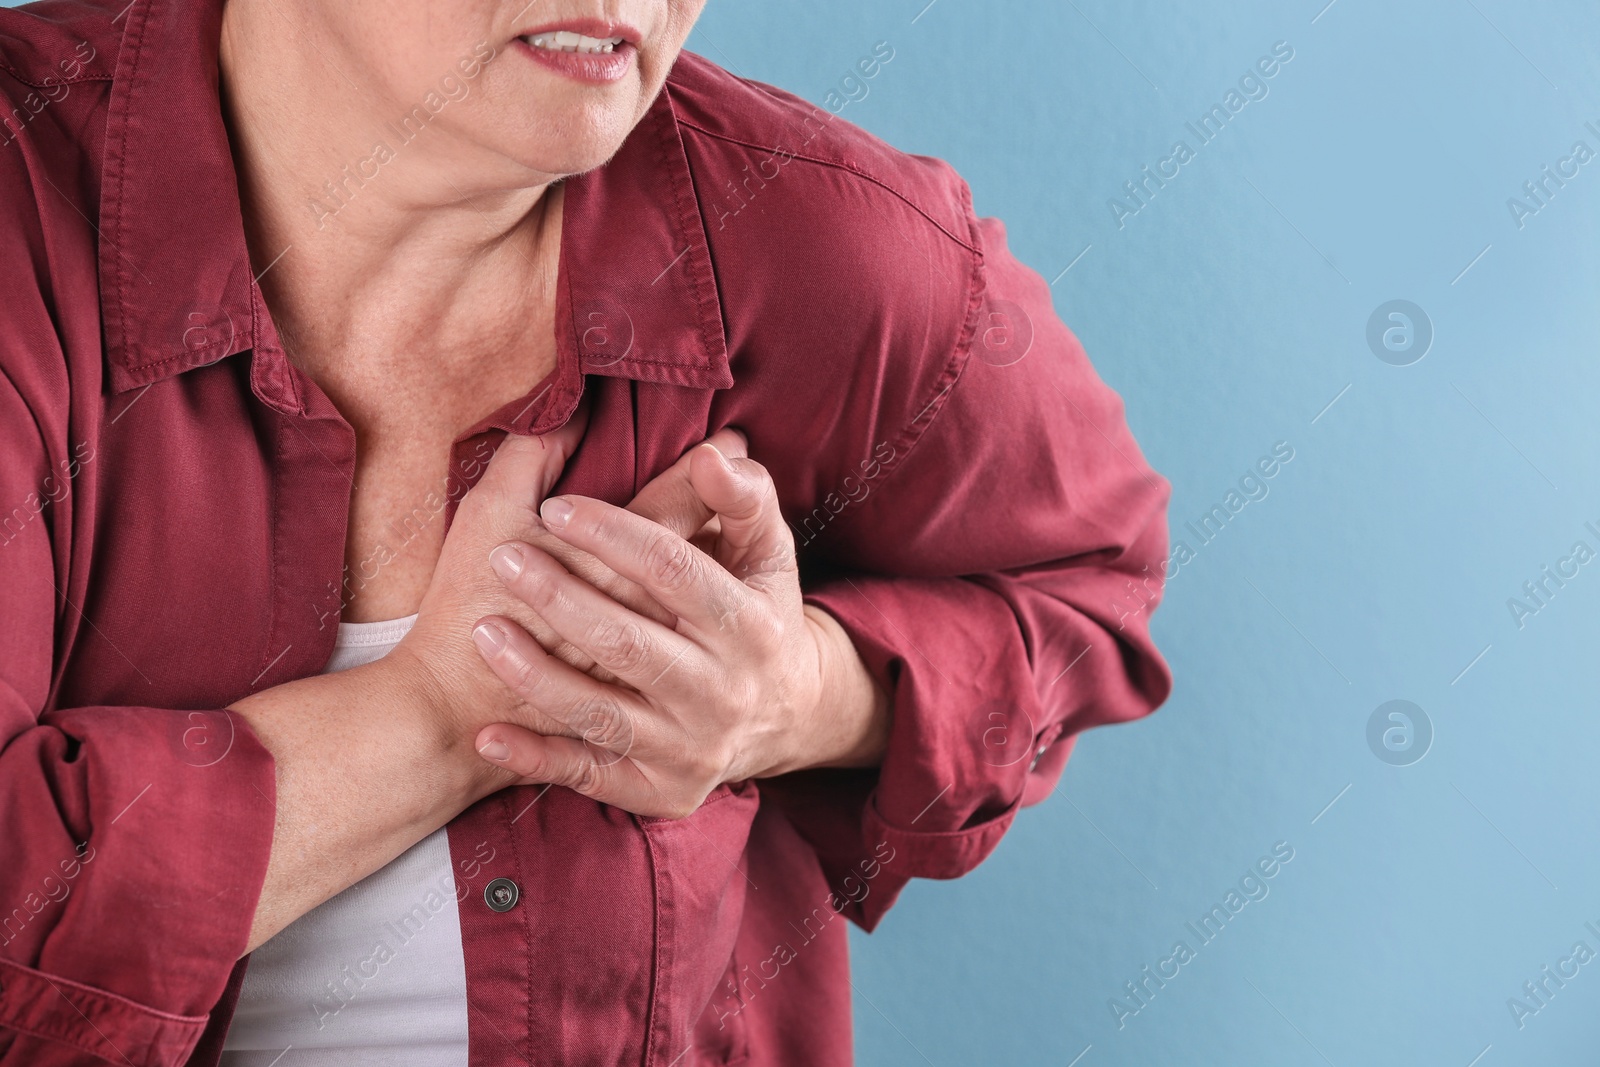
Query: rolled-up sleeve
x=997, y=580
x=134, y=840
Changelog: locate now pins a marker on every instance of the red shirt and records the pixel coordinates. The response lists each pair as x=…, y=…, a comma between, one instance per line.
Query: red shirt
x=174, y=496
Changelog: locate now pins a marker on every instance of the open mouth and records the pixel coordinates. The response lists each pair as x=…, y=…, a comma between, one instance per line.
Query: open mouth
x=590, y=51
x=567, y=41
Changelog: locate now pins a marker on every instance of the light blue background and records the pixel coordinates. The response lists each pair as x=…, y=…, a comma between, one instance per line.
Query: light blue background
x=1229, y=313
x=1378, y=567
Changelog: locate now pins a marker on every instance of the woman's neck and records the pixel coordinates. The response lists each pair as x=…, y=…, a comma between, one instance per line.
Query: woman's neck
x=385, y=257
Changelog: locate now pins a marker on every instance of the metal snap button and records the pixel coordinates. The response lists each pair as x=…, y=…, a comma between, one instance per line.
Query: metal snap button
x=501, y=894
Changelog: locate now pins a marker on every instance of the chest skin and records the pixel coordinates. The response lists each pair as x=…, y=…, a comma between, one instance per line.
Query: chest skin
x=410, y=383
x=404, y=475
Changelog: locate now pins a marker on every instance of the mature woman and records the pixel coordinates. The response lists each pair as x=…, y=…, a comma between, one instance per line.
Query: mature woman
x=292, y=775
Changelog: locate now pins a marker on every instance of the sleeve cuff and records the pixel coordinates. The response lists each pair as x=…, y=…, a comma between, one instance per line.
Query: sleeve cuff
x=936, y=853
x=81, y=1017
x=143, y=846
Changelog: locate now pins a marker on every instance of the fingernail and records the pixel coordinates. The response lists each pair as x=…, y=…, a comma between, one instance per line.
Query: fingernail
x=507, y=561
x=555, y=512
x=720, y=457
x=498, y=751
x=489, y=638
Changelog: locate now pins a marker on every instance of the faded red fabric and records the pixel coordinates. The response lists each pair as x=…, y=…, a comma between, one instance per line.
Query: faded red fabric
x=966, y=496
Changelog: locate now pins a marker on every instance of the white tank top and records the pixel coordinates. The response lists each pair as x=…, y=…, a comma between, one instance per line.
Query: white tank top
x=375, y=976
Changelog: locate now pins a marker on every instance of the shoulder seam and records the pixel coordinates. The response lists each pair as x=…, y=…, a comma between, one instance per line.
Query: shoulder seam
x=960, y=355
x=53, y=78
x=913, y=432
x=49, y=82
x=837, y=165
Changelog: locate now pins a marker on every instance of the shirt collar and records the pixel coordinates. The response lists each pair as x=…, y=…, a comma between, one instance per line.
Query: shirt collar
x=637, y=296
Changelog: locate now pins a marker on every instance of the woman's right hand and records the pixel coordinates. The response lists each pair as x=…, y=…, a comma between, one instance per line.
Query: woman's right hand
x=371, y=760
x=457, y=691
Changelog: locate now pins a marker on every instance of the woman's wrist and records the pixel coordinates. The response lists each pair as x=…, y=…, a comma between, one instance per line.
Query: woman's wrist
x=849, y=728
x=444, y=735
x=364, y=770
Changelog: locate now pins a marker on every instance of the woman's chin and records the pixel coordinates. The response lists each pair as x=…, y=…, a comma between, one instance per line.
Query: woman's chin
x=575, y=146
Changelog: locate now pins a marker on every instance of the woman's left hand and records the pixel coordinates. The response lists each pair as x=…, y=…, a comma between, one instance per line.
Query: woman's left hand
x=750, y=683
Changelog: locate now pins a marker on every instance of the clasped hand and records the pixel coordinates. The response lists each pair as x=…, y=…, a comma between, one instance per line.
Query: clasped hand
x=722, y=674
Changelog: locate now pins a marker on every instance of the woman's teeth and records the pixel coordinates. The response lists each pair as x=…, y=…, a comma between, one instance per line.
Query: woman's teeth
x=566, y=41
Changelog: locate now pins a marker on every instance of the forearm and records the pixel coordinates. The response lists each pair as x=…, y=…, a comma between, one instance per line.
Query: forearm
x=851, y=724
x=361, y=777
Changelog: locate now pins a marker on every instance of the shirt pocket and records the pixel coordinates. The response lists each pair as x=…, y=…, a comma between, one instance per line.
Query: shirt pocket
x=701, y=878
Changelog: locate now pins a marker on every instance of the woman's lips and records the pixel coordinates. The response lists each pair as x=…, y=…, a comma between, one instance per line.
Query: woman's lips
x=600, y=58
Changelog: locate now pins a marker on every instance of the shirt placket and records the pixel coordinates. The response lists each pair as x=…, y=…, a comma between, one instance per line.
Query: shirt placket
x=312, y=452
